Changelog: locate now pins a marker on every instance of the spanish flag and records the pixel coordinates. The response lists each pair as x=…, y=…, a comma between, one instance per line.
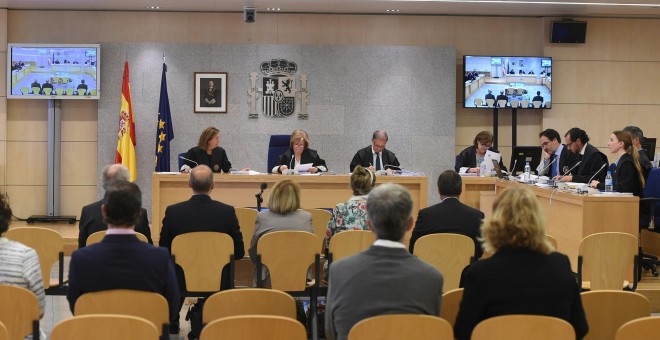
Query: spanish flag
x=126, y=135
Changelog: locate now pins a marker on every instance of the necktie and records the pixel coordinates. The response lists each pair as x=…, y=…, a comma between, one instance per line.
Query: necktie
x=553, y=172
x=377, y=161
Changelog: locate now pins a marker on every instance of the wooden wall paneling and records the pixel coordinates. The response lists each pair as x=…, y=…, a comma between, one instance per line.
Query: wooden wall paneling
x=321, y=29
x=27, y=163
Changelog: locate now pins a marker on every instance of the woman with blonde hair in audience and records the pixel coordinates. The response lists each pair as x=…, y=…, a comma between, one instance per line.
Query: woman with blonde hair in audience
x=283, y=213
x=628, y=176
x=524, y=275
x=352, y=214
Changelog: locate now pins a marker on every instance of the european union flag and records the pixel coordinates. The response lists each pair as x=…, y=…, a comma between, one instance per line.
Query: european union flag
x=164, y=131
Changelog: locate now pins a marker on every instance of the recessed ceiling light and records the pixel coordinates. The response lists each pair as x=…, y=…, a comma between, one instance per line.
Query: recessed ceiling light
x=273, y=9
x=392, y=10
x=153, y=7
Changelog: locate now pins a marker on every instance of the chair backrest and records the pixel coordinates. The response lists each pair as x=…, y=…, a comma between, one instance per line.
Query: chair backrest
x=451, y=302
x=652, y=188
x=537, y=104
x=642, y=328
x=278, y=145
x=254, y=327
x=320, y=220
x=524, y=103
x=552, y=240
x=47, y=91
x=448, y=253
x=36, y=90
x=607, y=259
x=288, y=255
x=548, y=104
x=69, y=91
x=350, y=242
x=202, y=255
x=523, y=327
x=92, y=92
x=25, y=90
x=20, y=308
x=4, y=334
x=46, y=242
x=59, y=91
x=148, y=305
x=478, y=102
x=501, y=103
x=81, y=92
x=105, y=327
x=490, y=102
x=247, y=217
x=98, y=236
x=607, y=310
x=514, y=103
x=402, y=326
x=248, y=301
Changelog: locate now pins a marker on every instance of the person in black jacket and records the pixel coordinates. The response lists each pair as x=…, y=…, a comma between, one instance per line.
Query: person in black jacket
x=299, y=153
x=208, y=152
x=637, y=138
x=470, y=158
x=375, y=156
x=524, y=275
x=629, y=174
x=591, y=160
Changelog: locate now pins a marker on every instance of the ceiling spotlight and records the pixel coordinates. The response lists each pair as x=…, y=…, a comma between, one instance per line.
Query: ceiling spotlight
x=392, y=10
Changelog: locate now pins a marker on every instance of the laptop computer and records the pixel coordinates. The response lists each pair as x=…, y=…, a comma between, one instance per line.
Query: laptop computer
x=498, y=170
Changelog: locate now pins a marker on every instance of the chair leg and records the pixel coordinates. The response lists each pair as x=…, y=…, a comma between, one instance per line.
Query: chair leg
x=35, y=330
x=260, y=283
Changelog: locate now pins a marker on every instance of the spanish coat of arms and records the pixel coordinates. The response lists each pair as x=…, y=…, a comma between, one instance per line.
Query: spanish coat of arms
x=278, y=90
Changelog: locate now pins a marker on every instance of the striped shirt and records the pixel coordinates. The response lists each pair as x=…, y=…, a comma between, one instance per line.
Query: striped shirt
x=19, y=266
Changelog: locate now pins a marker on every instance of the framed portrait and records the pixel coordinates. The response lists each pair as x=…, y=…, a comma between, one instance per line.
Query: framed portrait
x=210, y=89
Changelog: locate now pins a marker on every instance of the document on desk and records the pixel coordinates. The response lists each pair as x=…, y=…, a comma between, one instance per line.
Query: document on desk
x=489, y=157
x=303, y=167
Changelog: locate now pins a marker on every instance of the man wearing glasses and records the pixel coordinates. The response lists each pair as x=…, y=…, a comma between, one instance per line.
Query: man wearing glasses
x=556, y=155
x=375, y=157
x=592, y=160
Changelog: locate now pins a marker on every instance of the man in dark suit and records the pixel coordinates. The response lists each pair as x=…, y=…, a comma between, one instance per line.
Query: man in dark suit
x=502, y=96
x=82, y=85
x=91, y=217
x=637, y=138
x=450, y=215
x=591, y=160
x=375, y=157
x=538, y=97
x=201, y=213
x=490, y=95
x=36, y=84
x=121, y=260
x=553, y=149
x=386, y=278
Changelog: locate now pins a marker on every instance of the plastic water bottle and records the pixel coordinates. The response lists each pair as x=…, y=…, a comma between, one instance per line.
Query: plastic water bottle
x=527, y=172
x=608, y=182
x=482, y=169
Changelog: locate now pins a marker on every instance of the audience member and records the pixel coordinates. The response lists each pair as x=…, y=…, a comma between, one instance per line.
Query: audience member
x=538, y=97
x=91, y=216
x=450, y=215
x=629, y=174
x=553, y=148
x=352, y=215
x=490, y=95
x=299, y=153
x=591, y=159
x=82, y=85
x=524, y=275
x=637, y=138
x=121, y=260
x=375, y=156
x=502, y=96
x=283, y=213
x=469, y=160
x=386, y=278
x=37, y=85
x=19, y=264
x=200, y=213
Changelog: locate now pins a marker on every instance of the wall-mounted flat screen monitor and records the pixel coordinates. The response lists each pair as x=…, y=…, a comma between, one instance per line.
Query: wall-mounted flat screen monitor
x=53, y=71
x=568, y=32
x=507, y=82
x=520, y=155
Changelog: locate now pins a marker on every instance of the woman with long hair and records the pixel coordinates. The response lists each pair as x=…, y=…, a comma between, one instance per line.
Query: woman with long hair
x=628, y=175
x=299, y=153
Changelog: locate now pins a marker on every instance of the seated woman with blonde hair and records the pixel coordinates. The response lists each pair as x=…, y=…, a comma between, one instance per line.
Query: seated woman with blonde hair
x=524, y=275
x=352, y=214
x=283, y=213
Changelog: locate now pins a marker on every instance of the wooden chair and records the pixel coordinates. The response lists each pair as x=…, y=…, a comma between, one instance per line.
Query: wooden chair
x=247, y=217
x=350, y=242
x=105, y=327
x=25, y=90
x=99, y=235
x=69, y=91
x=524, y=103
x=537, y=104
x=642, y=328
x=4, y=334
x=448, y=253
x=523, y=327
x=254, y=327
x=47, y=91
x=320, y=220
x=552, y=240
x=402, y=326
x=451, y=303
x=478, y=102
x=202, y=255
x=19, y=312
x=59, y=91
x=501, y=103
x=514, y=103
x=607, y=310
x=49, y=246
x=36, y=90
x=248, y=301
x=606, y=259
x=81, y=92
x=147, y=305
x=490, y=102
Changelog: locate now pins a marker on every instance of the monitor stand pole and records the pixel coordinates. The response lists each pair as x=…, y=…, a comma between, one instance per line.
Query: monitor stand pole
x=514, y=127
x=495, y=126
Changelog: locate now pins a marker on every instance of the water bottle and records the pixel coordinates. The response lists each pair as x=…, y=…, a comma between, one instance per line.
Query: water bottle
x=527, y=172
x=482, y=169
x=608, y=182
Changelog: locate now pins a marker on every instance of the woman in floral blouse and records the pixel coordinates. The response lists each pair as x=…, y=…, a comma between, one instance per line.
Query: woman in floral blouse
x=352, y=215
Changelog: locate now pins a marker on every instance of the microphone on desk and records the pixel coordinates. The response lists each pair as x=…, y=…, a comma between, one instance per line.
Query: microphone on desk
x=569, y=171
x=259, y=197
x=189, y=160
x=592, y=177
x=513, y=169
x=548, y=166
x=291, y=164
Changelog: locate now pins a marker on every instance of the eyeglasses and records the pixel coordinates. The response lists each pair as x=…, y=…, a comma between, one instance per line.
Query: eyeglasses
x=486, y=145
x=544, y=144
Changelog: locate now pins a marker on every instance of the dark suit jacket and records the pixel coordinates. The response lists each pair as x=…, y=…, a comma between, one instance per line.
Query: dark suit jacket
x=91, y=221
x=219, y=161
x=592, y=160
x=520, y=281
x=308, y=156
x=490, y=96
x=449, y=216
x=502, y=97
x=82, y=86
x=645, y=162
x=123, y=262
x=567, y=158
x=364, y=157
x=537, y=98
x=468, y=158
x=625, y=178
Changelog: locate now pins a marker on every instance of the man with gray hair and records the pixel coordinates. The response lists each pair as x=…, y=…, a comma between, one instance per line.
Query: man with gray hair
x=637, y=138
x=386, y=278
x=91, y=219
x=375, y=157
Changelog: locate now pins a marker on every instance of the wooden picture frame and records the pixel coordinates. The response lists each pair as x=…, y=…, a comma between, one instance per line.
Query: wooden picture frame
x=210, y=99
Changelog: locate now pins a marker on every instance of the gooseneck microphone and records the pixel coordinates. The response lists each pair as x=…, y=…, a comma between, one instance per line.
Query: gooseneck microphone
x=259, y=196
x=548, y=166
x=569, y=171
x=592, y=177
x=291, y=164
x=189, y=160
